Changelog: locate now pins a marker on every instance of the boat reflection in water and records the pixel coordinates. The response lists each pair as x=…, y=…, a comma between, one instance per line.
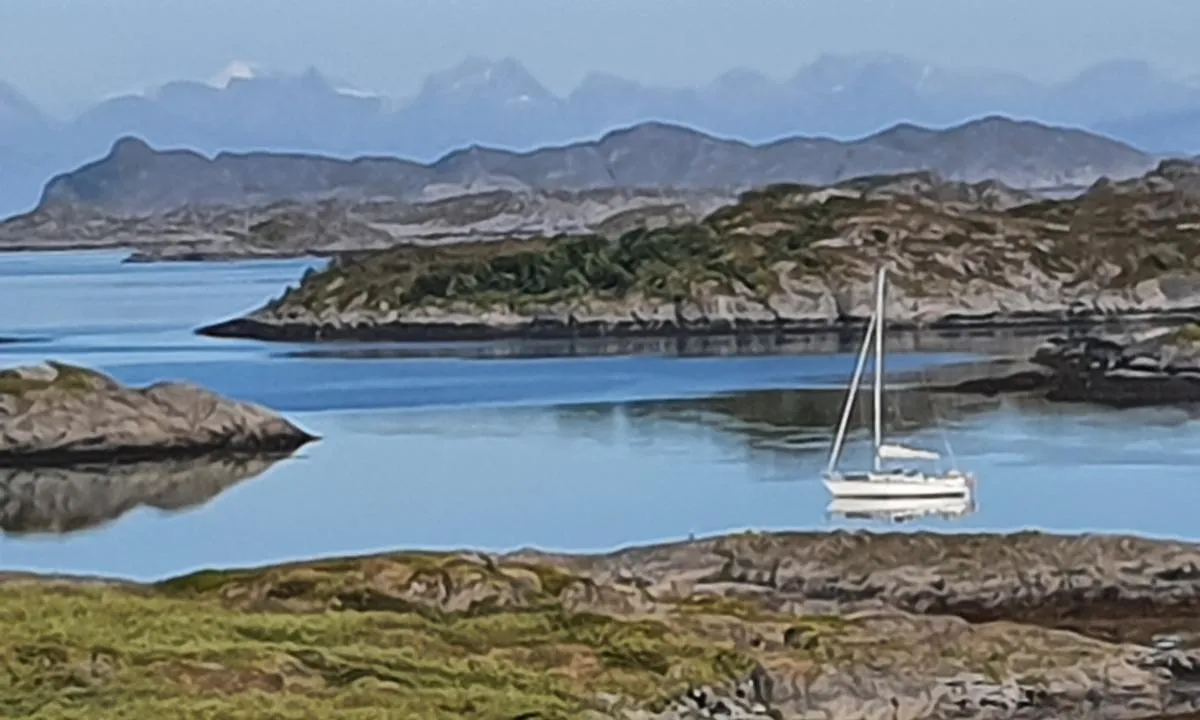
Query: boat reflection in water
x=899, y=510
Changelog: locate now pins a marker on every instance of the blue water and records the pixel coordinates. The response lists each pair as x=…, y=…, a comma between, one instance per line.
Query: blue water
x=560, y=453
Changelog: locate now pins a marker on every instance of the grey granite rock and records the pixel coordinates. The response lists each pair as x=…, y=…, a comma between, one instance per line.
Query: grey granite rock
x=57, y=413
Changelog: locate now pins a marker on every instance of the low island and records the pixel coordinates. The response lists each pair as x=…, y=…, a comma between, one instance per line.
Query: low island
x=786, y=258
x=60, y=414
x=751, y=626
x=1159, y=366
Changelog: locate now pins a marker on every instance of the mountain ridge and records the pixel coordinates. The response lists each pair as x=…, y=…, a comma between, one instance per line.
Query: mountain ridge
x=135, y=178
x=499, y=103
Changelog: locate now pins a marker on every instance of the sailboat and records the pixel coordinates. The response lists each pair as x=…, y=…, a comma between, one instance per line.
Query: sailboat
x=886, y=481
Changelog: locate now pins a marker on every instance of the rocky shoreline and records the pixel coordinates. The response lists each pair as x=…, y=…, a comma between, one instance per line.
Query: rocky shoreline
x=353, y=329
x=15, y=340
x=188, y=254
x=58, y=414
x=761, y=626
x=1159, y=367
x=326, y=227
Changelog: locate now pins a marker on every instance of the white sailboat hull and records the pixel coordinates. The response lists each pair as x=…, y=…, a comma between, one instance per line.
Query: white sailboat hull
x=887, y=484
x=901, y=508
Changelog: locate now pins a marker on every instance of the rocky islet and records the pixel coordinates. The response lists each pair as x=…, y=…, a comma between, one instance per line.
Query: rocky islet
x=60, y=414
x=786, y=258
x=1156, y=367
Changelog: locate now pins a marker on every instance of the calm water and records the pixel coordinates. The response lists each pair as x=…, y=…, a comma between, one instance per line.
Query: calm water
x=579, y=453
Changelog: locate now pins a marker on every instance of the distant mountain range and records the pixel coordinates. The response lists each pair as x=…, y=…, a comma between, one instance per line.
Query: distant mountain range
x=500, y=104
x=134, y=178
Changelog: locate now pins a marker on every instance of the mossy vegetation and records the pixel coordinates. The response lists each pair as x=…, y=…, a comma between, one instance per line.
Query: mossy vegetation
x=435, y=635
x=1187, y=335
x=445, y=637
x=108, y=652
x=17, y=381
x=664, y=263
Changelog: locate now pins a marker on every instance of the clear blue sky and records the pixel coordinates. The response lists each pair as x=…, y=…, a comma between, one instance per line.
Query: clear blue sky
x=64, y=53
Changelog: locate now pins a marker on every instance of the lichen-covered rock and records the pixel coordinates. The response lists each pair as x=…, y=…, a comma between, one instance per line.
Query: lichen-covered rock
x=296, y=227
x=860, y=626
x=57, y=413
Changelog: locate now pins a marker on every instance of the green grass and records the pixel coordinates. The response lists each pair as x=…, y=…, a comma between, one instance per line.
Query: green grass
x=68, y=377
x=277, y=642
x=432, y=635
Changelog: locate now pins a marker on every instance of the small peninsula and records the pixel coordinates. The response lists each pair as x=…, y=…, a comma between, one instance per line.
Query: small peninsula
x=59, y=414
x=754, y=626
x=785, y=258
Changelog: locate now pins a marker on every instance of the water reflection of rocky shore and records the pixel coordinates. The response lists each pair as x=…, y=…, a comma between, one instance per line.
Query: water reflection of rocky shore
x=69, y=499
x=1016, y=342
x=804, y=419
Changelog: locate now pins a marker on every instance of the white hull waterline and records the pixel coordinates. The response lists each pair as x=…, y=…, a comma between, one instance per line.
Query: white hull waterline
x=884, y=485
x=900, y=509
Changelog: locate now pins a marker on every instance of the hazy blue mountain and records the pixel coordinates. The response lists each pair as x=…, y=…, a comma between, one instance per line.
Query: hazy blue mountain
x=28, y=142
x=134, y=178
x=17, y=113
x=1173, y=131
x=1117, y=89
x=279, y=112
x=499, y=104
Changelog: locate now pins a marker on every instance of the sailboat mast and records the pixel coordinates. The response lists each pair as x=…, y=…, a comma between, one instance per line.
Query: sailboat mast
x=879, y=284
x=839, y=438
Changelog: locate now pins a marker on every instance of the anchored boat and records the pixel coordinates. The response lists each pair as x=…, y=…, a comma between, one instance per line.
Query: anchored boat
x=888, y=477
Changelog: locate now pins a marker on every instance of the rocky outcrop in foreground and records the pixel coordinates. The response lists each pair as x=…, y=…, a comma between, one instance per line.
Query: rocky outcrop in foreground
x=1158, y=368
x=853, y=626
x=56, y=413
x=77, y=497
x=783, y=259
